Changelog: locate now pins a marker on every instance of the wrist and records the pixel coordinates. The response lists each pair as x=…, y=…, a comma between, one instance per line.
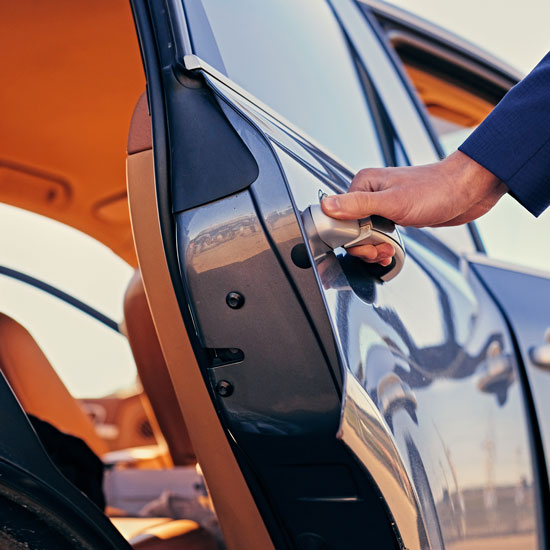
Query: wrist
x=472, y=178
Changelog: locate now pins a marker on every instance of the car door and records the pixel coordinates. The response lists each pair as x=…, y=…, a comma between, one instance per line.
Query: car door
x=356, y=412
x=459, y=84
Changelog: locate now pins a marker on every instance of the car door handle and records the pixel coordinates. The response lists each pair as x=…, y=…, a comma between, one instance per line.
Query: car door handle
x=373, y=230
x=540, y=355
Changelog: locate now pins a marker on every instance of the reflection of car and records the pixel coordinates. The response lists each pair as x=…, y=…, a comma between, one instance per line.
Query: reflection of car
x=326, y=409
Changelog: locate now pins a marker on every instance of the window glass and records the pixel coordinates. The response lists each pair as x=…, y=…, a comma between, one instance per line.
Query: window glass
x=65, y=258
x=294, y=57
x=91, y=359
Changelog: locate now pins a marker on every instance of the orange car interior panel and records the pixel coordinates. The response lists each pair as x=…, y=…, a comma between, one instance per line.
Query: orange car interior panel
x=67, y=96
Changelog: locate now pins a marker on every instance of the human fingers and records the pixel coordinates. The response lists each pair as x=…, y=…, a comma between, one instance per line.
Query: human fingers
x=381, y=253
x=359, y=204
x=370, y=179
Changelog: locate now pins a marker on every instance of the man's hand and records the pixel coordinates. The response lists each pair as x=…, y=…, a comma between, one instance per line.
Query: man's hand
x=453, y=191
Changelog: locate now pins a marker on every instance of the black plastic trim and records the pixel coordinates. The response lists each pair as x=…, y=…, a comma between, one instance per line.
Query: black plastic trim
x=476, y=237
x=212, y=160
x=180, y=31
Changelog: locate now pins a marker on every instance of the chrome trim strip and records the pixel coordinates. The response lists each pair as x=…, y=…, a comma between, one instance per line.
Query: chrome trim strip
x=195, y=63
x=401, y=110
x=329, y=499
x=365, y=432
x=478, y=258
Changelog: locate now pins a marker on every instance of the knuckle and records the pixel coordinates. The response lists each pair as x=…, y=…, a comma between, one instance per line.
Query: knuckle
x=366, y=179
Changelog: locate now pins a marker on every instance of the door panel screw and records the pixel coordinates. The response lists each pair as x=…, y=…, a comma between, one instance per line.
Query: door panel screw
x=224, y=388
x=234, y=300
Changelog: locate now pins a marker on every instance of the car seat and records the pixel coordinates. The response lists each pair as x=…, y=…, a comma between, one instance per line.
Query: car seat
x=154, y=374
x=41, y=392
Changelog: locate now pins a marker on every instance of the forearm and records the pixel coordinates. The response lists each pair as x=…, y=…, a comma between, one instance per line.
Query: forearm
x=513, y=142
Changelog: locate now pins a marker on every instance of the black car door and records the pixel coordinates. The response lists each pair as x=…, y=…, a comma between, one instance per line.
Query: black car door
x=358, y=412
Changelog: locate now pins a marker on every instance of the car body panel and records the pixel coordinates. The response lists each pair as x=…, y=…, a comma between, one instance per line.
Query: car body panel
x=403, y=368
x=528, y=314
x=444, y=363
x=283, y=407
x=383, y=325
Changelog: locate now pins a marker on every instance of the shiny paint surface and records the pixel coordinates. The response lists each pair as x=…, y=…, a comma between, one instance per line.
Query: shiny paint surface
x=432, y=405
x=423, y=347
x=283, y=407
x=525, y=300
x=432, y=354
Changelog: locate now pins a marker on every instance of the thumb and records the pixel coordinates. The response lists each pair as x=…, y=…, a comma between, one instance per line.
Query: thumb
x=356, y=205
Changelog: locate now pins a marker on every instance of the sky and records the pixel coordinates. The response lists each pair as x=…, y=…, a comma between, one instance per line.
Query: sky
x=87, y=355
x=91, y=359
x=517, y=32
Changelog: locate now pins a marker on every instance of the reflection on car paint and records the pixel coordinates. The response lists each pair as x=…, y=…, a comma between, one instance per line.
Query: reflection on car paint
x=430, y=372
x=435, y=344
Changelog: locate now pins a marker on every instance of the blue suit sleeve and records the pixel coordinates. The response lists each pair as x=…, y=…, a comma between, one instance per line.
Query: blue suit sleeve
x=513, y=142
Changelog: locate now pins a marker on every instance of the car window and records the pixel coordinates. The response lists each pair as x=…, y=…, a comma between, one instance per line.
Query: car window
x=90, y=358
x=65, y=258
x=454, y=111
x=294, y=57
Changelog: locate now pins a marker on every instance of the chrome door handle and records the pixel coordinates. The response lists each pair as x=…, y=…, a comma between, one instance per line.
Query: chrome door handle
x=349, y=233
x=540, y=355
